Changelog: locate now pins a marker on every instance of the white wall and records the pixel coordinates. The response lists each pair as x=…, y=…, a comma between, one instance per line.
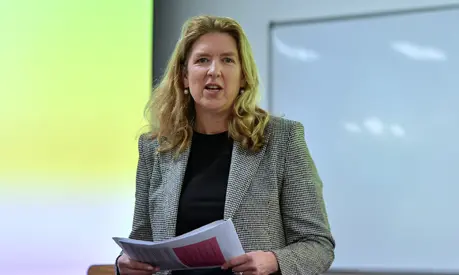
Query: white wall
x=256, y=15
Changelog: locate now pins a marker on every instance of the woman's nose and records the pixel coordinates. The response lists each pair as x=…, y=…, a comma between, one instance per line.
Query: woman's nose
x=214, y=69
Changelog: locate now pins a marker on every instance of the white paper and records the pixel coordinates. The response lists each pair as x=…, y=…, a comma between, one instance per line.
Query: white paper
x=206, y=247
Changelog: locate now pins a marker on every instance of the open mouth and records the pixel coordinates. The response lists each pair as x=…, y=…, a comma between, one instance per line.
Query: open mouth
x=213, y=87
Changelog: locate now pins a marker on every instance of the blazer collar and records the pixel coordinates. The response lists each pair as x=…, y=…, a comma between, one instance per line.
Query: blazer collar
x=244, y=165
x=173, y=170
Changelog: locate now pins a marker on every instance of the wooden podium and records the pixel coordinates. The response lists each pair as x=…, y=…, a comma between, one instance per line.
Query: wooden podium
x=101, y=270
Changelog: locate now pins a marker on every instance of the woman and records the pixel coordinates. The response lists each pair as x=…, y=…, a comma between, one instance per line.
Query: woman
x=214, y=154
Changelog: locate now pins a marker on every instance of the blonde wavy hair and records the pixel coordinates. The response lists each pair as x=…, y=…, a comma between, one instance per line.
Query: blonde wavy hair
x=171, y=112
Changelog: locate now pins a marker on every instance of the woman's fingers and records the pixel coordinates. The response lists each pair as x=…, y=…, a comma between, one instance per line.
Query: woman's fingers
x=140, y=266
x=128, y=266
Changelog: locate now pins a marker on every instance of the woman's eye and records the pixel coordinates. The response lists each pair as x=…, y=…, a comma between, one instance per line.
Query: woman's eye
x=228, y=60
x=202, y=60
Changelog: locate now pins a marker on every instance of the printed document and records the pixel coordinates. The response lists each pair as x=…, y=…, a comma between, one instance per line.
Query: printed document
x=209, y=246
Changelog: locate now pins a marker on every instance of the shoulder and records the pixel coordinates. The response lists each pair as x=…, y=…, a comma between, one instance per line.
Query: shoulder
x=282, y=127
x=148, y=145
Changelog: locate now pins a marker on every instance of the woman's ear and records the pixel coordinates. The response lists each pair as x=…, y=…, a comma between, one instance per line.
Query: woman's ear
x=243, y=82
x=186, y=83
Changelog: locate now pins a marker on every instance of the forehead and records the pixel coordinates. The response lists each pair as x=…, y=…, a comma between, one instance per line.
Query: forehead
x=215, y=43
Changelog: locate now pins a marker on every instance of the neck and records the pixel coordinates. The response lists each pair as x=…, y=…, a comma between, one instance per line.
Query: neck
x=211, y=123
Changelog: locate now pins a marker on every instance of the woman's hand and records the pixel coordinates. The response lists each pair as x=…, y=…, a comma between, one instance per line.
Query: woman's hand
x=128, y=266
x=253, y=263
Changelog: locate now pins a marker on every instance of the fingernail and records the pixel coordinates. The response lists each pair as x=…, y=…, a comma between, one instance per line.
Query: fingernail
x=150, y=268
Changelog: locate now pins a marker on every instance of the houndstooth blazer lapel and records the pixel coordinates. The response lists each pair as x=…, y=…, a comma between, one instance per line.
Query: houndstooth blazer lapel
x=173, y=186
x=244, y=165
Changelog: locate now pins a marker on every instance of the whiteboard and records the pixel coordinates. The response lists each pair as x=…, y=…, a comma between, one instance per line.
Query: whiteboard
x=379, y=99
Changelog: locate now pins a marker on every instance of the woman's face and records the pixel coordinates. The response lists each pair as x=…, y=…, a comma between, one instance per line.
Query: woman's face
x=214, y=75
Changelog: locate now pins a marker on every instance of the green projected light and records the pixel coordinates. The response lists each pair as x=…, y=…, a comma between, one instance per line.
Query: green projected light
x=74, y=78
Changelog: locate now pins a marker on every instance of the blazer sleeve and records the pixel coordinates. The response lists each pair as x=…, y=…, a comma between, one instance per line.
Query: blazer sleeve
x=141, y=226
x=310, y=245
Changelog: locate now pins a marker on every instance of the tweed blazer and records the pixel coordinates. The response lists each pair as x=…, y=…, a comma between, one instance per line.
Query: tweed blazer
x=274, y=198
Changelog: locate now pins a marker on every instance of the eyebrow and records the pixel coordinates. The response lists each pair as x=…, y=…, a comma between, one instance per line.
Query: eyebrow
x=231, y=53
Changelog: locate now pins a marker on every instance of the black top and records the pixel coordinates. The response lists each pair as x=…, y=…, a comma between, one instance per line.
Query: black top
x=202, y=199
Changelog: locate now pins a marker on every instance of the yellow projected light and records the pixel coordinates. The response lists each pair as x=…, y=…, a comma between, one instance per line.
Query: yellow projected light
x=74, y=78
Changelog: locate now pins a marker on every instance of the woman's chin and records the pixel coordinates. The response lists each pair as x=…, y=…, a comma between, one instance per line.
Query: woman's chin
x=213, y=106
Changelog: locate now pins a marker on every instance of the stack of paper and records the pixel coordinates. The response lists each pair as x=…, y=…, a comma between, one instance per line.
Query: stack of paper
x=206, y=247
